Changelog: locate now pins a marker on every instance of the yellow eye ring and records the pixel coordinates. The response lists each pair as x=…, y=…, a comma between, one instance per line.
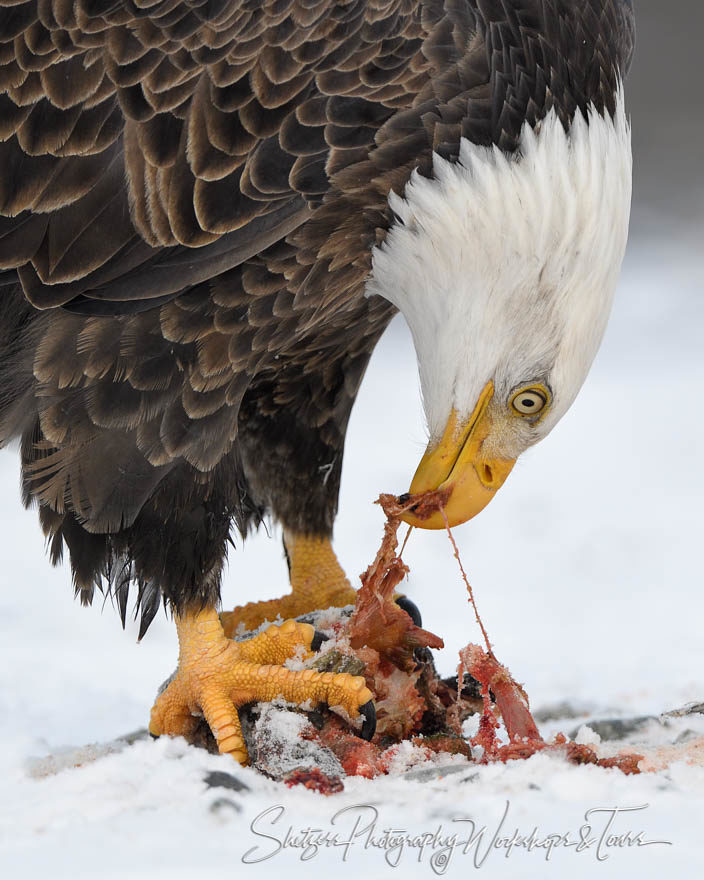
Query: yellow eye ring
x=530, y=401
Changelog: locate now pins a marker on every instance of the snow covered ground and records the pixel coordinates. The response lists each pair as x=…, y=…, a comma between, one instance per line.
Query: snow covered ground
x=587, y=571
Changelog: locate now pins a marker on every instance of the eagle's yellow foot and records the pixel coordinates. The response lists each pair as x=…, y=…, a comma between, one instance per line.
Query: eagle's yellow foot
x=317, y=581
x=216, y=675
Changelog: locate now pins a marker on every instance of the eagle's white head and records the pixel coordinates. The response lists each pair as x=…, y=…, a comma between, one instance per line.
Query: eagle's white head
x=505, y=267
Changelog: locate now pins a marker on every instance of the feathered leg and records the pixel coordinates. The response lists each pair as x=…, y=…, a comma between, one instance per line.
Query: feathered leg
x=317, y=581
x=291, y=438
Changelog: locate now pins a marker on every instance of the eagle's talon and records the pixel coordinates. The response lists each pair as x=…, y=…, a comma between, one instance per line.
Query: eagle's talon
x=411, y=609
x=368, y=711
x=217, y=676
x=318, y=641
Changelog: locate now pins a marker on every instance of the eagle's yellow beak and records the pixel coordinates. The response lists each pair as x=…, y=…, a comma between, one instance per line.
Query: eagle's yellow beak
x=457, y=463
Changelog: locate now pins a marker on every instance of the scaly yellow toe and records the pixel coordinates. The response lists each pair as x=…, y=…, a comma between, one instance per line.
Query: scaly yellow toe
x=216, y=676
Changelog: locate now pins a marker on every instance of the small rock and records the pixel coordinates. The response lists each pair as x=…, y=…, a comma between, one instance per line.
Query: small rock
x=220, y=804
x=220, y=779
x=610, y=729
x=686, y=736
x=689, y=709
x=335, y=661
x=428, y=774
x=276, y=747
x=558, y=711
x=135, y=736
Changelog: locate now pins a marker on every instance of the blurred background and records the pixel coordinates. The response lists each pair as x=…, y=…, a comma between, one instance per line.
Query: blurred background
x=666, y=102
x=587, y=567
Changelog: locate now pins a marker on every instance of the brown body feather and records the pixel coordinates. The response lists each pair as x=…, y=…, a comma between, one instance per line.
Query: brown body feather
x=189, y=194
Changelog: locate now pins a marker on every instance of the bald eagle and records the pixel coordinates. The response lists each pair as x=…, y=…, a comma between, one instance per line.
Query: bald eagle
x=209, y=212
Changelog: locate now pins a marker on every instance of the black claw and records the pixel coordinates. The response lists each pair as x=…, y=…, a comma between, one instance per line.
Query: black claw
x=368, y=710
x=411, y=609
x=318, y=639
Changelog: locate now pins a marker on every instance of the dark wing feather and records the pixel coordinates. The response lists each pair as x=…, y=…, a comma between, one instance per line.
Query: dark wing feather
x=147, y=146
x=214, y=126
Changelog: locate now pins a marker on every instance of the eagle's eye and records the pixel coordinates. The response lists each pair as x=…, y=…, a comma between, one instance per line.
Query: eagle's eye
x=530, y=401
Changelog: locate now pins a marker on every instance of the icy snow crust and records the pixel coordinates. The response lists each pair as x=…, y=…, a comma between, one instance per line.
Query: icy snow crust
x=587, y=571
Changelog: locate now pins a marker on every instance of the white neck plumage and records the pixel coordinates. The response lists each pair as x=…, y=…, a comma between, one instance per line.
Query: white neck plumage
x=505, y=266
